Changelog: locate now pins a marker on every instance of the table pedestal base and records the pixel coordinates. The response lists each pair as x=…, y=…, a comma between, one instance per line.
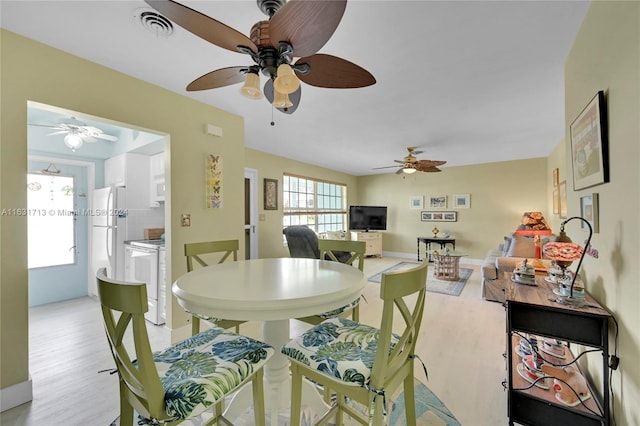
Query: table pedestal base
x=277, y=381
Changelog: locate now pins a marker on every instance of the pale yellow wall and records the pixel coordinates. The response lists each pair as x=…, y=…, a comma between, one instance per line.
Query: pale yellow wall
x=33, y=71
x=557, y=159
x=272, y=167
x=500, y=193
x=606, y=56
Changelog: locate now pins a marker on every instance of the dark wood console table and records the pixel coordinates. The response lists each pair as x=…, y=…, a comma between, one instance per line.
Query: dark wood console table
x=440, y=240
x=530, y=310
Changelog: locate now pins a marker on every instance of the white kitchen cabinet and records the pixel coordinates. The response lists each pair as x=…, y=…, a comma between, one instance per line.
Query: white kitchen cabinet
x=156, y=178
x=131, y=171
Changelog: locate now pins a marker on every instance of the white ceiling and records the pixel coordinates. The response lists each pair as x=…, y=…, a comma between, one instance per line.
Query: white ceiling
x=468, y=82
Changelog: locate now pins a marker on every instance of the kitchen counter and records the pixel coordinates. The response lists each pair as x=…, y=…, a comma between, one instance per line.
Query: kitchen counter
x=152, y=244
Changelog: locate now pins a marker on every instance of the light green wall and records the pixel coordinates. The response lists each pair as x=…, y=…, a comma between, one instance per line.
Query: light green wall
x=606, y=56
x=272, y=167
x=33, y=71
x=500, y=193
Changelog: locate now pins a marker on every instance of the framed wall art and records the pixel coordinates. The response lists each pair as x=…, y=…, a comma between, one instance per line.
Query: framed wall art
x=556, y=177
x=429, y=216
x=417, y=202
x=589, y=211
x=462, y=201
x=270, y=194
x=590, y=145
x=213, y=185
x=562, y=199
x=438, y=202
x=556, y=201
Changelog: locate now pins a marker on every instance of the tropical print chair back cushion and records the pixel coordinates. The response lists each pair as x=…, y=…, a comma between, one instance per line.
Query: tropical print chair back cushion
x=340, y=348
x=199, y=371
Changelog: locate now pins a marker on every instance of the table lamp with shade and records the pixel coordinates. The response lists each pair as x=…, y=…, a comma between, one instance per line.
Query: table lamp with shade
x=534, y=224
x=564, y=252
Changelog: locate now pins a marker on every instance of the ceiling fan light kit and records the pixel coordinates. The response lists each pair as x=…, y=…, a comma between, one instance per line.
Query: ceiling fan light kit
x=73, y=141
x=281, y=100
x=286, y=81
x=251, y=88
x=295, y=29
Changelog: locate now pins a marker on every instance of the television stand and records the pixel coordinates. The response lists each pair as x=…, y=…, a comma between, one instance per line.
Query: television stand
x=373, y=240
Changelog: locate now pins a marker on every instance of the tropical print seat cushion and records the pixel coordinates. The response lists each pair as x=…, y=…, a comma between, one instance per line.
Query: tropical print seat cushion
x=199, y=371
x=339, y=348
x=204, y=317
x=337, y=312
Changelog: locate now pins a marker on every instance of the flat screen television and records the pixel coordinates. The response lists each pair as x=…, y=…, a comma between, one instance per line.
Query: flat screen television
x=368, y=218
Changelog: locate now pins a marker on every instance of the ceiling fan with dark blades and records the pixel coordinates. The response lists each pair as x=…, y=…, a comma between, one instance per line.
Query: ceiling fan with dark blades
x=295, y=29
x=410, y=164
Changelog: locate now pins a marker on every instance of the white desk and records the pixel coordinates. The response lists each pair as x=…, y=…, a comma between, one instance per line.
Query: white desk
x=272, y=291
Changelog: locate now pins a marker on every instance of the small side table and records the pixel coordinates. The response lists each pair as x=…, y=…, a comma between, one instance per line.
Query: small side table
x=442, y=241
x=446, y=266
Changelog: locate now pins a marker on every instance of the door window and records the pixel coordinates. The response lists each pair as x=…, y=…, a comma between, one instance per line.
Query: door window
x=51, y=219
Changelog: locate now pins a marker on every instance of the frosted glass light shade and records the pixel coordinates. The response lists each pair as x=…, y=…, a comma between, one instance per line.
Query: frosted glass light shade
x=286, y=82
x=251, y=88
x=408, y=170
x=281, y=100
x=73, y=141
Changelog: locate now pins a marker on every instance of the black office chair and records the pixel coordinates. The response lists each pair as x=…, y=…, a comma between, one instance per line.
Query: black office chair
x=303, y=243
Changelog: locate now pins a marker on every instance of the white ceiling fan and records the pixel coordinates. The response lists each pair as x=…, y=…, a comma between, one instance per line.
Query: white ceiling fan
x=76, y=135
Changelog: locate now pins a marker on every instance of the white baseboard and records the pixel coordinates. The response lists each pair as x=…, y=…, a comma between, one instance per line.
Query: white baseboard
x=15, y=395
x=400, y=255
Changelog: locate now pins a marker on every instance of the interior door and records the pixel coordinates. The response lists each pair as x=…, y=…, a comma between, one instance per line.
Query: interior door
x=251, y=213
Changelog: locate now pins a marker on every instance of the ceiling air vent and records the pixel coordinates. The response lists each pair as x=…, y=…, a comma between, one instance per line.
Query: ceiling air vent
x=154, y=22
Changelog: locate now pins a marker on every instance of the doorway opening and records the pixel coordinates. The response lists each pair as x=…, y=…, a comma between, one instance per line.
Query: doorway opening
x=48, y=142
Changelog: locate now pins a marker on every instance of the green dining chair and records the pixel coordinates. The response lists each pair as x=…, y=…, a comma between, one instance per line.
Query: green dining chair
x=184, y=380
x=344, y=251
x=361, y=363
x=228, y=249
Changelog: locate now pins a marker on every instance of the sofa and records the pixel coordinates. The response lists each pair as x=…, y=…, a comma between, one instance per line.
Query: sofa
x=509, y=254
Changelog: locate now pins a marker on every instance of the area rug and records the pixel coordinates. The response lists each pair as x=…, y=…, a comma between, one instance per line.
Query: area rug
x=430, y=411
x=434, y=285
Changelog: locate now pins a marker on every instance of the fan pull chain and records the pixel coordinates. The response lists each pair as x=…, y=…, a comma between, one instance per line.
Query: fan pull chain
x=273, y=123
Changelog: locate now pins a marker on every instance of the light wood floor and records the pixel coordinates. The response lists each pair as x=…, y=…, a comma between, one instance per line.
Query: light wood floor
x=461, y=343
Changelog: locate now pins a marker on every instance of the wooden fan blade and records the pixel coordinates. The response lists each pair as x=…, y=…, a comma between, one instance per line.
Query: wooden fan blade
x=399, y=172
x=429, y=163
x=218, y=78
x=385, y=167
x=207, y=28
x=428, y=169
x=334, y=73
x=306, y=25
x=293, y=97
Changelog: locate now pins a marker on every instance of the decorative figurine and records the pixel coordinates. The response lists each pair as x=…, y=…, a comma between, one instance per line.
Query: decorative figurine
x=563, y=382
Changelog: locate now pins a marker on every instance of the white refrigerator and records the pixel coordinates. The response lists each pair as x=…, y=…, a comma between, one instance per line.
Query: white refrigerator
x=108, y=233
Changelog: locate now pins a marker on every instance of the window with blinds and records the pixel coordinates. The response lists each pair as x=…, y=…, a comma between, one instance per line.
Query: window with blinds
x=321, y=205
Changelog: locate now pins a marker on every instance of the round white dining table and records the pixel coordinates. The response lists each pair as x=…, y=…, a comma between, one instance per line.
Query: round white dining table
x=272, y=291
